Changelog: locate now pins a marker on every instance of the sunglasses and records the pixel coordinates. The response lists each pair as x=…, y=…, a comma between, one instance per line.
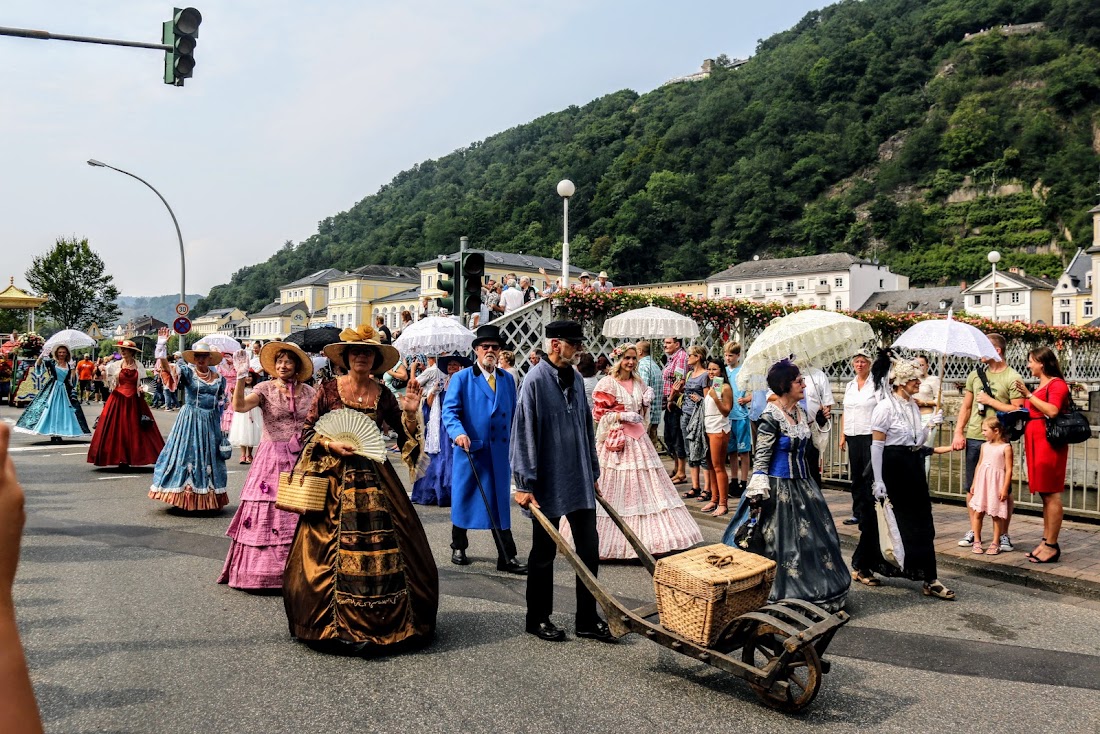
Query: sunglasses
x=489, y=347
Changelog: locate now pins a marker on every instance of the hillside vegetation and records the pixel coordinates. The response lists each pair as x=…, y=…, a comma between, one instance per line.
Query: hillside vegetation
x=850, y=132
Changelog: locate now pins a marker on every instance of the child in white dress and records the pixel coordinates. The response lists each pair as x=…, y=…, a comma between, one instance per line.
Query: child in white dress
x=246, y=428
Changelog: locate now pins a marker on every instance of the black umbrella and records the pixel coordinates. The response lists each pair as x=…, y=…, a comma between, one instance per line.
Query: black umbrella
x=314, y=340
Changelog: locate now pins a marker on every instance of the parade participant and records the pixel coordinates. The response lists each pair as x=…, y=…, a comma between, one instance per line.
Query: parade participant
x=229, y=372
x=1046, y=464
x=5, y=378
x=674, y=370
x=650, y=373
x=992, y=484
x=782, y=514
x=897, y=460
x=477, y=412
x=360, y=576
x=99, y=380
x=190, y=473
x=1006, y=396
x=85, y=369
x=126, y=434
x=717, y=402
x=254, y=357
x=55, y=410
x=434, y=488
x=860, y=398
x=556, y=468
x=261, y=533
x=739, y=449
x=632, y=477
x=246, y=429
x=818, y=404
x=508, y=364
x=18, y=709
x=691, y=387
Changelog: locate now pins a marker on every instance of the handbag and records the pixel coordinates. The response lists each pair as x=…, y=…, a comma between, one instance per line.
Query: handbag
x=889, y=537
x=225, y=449
x=1068, y=427
x=301, y=493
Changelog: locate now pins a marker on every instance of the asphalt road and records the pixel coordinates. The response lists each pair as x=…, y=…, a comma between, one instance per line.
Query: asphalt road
x=126, y=631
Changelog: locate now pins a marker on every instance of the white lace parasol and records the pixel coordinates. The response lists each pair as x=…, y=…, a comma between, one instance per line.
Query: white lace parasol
x=947, y=337
x=434, y=335
x=814, y=338
x=650, y=322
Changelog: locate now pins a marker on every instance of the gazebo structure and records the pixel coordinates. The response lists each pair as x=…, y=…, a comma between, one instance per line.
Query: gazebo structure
x=19, y=300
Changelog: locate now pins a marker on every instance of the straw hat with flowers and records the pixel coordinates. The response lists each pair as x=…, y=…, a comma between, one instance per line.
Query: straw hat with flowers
x=127, y=344
x=363, y=336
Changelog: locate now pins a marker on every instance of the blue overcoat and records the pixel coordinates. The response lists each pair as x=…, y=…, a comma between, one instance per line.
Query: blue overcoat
x=472, y=408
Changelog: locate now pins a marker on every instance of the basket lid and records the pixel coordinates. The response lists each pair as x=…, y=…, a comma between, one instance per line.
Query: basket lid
x=716, y=563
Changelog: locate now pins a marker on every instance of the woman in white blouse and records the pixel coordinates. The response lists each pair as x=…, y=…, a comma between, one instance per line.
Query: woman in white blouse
x=897, y=461
x=860, y=398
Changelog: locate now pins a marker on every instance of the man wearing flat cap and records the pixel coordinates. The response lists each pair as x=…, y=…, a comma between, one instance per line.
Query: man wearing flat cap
x=477, y=410
x=555, y=467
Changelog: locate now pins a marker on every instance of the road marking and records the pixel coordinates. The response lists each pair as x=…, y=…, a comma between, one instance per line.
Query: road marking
x=76, y=453
x=119, y=476
x=20, y=449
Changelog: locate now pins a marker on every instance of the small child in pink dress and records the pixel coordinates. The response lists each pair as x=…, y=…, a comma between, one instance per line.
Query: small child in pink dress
x=992, y=485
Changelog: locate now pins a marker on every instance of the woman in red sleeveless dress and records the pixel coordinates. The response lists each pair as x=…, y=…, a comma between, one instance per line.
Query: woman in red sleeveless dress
x=126, y=434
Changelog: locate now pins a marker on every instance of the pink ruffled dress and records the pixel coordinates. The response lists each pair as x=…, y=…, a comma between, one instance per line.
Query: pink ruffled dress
x=261, y=533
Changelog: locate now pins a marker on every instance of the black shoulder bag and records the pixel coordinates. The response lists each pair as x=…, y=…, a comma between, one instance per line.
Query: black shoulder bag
x=1069, y=426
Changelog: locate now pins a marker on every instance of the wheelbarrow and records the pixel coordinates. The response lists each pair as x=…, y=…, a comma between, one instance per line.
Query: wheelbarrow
x=781, y=645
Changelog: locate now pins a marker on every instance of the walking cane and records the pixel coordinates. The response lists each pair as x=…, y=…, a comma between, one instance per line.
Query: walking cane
x=498, y=535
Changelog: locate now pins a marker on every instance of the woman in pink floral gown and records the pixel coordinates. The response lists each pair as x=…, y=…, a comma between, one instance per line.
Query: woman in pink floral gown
x=262, y=533
x=632, y=477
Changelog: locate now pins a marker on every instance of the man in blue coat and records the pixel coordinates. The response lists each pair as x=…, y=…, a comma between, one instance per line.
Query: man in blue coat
x=478, y=411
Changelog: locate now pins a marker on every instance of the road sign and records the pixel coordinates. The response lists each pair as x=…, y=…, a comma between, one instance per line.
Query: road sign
x=94, y=331
x=183, y=309
x=182, y=325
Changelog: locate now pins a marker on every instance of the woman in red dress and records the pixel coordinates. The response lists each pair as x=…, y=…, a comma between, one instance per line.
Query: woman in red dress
x=126, y=434
x=1046, y=465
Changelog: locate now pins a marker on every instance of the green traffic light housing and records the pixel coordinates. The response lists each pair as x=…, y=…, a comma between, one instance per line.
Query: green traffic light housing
x=449, y=285
x=473, y=269
x=180, y=33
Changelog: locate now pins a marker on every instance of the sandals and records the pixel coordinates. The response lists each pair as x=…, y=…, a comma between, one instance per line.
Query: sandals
x=976, y=547
x=938, y=590
x=708, y=507
x=994, y=550
x=695, y=492
x=1052, y=559
x=722, y=510
x=868, y=580
x=704, y=496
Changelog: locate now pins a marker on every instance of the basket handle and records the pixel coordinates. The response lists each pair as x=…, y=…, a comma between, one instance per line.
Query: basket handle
x=721, y=561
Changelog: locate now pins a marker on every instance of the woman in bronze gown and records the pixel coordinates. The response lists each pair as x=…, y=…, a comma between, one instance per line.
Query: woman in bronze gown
x=360, y=577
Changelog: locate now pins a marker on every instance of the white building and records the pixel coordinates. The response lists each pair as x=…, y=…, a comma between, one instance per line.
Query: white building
x=1074, y=303
x=836, y=281
x=1020, y=297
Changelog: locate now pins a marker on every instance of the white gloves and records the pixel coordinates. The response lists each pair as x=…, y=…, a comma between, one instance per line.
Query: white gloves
x=936, y=418
x=629, y=416
x=758, y=487
x=878, y=489
x=161, y=350
x=647, y=397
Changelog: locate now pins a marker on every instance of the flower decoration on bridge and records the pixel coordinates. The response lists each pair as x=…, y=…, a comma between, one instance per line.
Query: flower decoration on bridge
x=31, y=343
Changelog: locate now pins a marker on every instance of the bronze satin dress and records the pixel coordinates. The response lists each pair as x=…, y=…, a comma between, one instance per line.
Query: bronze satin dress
x=361, y=571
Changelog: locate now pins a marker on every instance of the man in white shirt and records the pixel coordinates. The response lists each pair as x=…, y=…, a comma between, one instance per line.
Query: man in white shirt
x=512, y=298
x=818, y=398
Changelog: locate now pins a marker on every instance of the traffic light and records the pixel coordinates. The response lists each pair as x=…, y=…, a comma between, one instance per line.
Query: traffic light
x=180, y=33
x=450, y=285
x=473, y=268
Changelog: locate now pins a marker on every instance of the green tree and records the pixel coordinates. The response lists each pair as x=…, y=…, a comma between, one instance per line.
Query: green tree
x=76, y=281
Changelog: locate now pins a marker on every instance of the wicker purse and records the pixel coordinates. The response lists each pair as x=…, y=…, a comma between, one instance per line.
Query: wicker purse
x=301, y=493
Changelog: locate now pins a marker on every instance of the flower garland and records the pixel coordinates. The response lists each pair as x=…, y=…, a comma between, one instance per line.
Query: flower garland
x=725, y=314
x=31, y=343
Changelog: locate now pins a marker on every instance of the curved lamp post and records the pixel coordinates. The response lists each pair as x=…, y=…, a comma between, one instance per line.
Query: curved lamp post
x=994, y=257
x=565, y=190
x=179, y=236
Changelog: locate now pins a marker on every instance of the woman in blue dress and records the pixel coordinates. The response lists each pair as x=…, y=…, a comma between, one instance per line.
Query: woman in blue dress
x=55, y=411
x=782, y=514
x=434, y=488
x=190, y=472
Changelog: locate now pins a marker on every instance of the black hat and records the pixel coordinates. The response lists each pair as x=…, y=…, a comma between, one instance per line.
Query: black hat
x=489, y=333
x=442, y=362
x=569, y=331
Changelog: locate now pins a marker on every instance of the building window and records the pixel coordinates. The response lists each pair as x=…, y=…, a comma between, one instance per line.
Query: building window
x=1015, y=298
x=839, y=304
x=768, y=287
x=1088, y=307
x=738, y=290
x=801, y=285
x=881, y=283
x=717, y=291
x=839, y=282
x=1065, y=318
x=790, y=286
x=729, y=288
x=977, y=300
x=1063, y=301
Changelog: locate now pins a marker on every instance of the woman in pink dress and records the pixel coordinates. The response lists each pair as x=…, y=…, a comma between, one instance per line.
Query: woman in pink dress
x=632, y=477
x=227, y=371
x=262, y=533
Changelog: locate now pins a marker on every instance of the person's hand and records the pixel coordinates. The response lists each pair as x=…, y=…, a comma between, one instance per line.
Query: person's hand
x=959, y=442
x=596, y=488
x=744, y=399
x=463, y=442
x=843, y=442
x=241, y=362
x=936, y=419
x=695, y=398
x=339, y=448
x=629, y=416
x=162, y=335
x=878, y=489
x=1022, y=388
x=410, y=403
x=526, y=500
x=1003, y=495
x=827, y=411
x=12, y=517
x=984, y=398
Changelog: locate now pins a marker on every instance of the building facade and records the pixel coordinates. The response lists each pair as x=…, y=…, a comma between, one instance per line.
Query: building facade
x=278, y=320
x=312, y=290
x=1073, y=301
x=689, y=288
x=916, y=300
x=350, y=295
x=211, y=321
x=1019, y=297
x=541, y=270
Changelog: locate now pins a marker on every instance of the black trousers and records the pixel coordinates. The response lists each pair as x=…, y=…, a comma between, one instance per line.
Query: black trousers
x=540, y=568
x=813, y=461
x=859, y=461
x=460, y=541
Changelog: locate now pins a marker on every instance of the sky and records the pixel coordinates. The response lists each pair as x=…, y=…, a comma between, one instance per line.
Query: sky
x=297, y=112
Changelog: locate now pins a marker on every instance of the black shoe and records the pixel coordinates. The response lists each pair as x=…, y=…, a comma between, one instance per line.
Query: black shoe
x=598, y=631
x=458, y=557
x=546, y=631
x=512, y=566
x=853, y=520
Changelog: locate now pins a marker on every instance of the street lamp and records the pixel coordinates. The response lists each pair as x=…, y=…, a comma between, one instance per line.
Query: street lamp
x=183, y=261
x=994, y=257
x=565, y=190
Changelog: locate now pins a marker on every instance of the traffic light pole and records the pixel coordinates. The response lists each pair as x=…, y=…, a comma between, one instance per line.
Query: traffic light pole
x=47, y=36
x=460, y=290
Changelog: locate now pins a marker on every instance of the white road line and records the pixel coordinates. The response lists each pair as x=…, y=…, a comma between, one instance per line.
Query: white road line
x=119, y=476
x=76, y=453
x=21, y=449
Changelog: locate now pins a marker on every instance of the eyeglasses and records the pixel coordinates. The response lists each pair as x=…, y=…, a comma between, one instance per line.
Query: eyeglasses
x=800, y=380
x=489, y=347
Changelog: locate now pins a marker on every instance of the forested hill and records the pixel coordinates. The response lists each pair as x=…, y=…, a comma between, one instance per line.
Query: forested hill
x=874, y=127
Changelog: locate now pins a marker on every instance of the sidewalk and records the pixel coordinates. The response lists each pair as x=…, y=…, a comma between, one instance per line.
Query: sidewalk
x=1077, y=573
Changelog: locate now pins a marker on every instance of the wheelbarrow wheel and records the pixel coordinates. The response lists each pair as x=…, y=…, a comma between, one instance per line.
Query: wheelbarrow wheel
x=802, y=671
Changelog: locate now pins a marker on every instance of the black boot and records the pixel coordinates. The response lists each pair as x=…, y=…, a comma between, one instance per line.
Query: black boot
x=458, y=557
x=512, y=566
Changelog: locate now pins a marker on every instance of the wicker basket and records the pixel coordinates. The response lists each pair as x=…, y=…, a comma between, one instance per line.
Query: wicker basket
x=701, y=591
x=301, y=493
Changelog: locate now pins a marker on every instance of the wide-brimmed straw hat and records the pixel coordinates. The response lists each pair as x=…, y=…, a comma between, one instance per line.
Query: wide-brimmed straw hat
x=127, y=344
x=55, y=347
x=271, y=349
x=363, y=336
x=190, y=354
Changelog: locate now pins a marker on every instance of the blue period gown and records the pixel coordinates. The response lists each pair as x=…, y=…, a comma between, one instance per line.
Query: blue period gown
x=55, y=411
x=190, y=473
x=434, y=488
x=794, y=527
